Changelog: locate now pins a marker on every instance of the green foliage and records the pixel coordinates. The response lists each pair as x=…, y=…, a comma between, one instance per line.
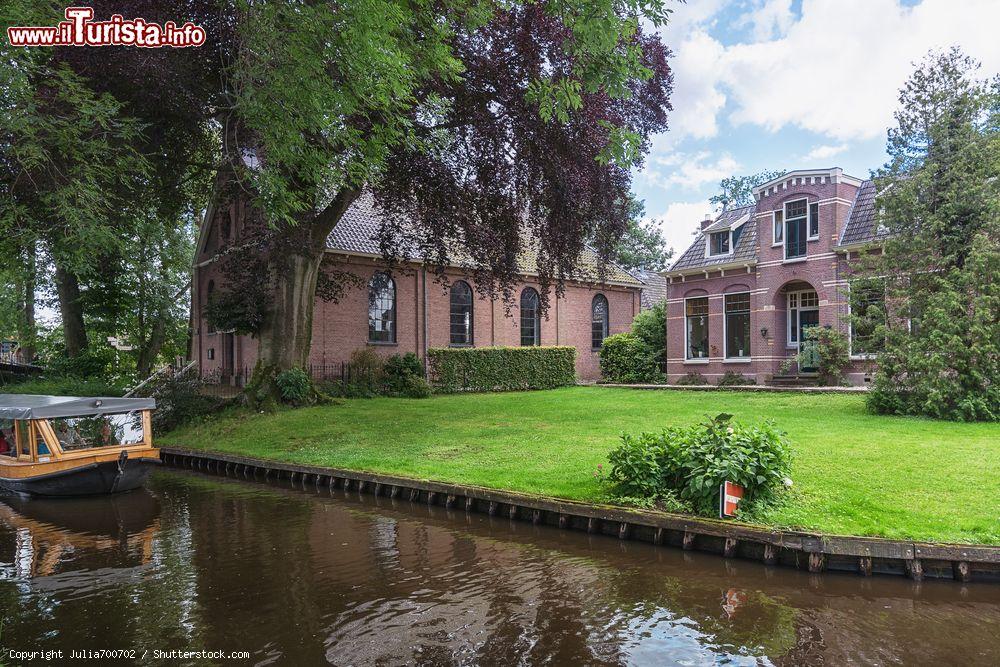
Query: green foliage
x=643, y=245
x=736, y=191
x=692, y=378
x=939, y=198
x=502, y=368
x=404, y=376
x=734, y=379
x=625, y=358
x=295, y=386
x=833, y=349
x=694, y=461
x=650, y=326
x=91, y=363
x=63, y=385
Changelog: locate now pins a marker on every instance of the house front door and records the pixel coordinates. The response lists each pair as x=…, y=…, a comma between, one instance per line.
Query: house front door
x=809, y=349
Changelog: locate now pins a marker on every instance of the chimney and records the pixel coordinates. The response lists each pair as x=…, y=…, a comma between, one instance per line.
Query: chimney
x=707, y=220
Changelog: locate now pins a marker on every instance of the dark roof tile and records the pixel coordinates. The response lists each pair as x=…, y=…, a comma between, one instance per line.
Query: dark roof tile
x=862, y=223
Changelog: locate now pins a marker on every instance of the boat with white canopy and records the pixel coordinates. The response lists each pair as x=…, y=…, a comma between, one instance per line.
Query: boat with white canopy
x=71, y=446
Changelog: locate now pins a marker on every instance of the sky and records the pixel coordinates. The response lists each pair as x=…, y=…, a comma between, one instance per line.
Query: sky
x=791, y=84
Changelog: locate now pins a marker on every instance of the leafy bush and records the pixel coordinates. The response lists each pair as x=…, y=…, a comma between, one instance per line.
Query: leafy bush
x=692, y=462
x=834, y=354
x=295, y=385
x=627, y=359
x=650, y=326
x=501, y=368
x=62, y=385
x=734, y=379
x=365, y=374
x=692, y=378
x=404, y=376
x=88, y=364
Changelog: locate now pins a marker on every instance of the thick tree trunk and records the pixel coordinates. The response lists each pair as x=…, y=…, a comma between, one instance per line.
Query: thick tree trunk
x=27, y=328
x=74, y=330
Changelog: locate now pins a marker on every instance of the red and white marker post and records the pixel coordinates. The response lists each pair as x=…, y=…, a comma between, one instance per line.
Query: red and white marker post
x=730, y=495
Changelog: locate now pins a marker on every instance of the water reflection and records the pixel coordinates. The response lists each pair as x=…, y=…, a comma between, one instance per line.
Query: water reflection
x=293, y=578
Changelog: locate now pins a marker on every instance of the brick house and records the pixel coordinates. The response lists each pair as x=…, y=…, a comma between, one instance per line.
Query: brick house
x=756, y=278
x=409, y=311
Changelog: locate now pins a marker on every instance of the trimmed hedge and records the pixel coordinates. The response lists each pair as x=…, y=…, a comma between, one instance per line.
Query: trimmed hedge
x=501, y=368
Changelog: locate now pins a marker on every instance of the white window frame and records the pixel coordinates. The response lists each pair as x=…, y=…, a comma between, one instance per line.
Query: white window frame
x=789, y=344
x=809, y=208
x=708, y=243
x=687, y=334
x=725, y=327
x=775, y=242
x=784, y=222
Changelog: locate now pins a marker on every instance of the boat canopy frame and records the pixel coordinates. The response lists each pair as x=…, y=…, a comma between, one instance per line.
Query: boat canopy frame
x=35, y=406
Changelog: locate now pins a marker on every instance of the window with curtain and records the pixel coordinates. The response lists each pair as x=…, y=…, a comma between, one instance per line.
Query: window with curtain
x=382, y=309
x=599, y=321
x=738, y=325
x=696, y=314
x=461, y=313
x=531, y=318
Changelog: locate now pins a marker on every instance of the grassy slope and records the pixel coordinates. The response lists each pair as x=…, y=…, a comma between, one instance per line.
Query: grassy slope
x=854, y=473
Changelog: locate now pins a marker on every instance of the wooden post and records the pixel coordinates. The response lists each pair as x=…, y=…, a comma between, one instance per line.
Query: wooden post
x=729, y=549
x=414, y=494
x=449, y=501
x=378, y=489
x=431, y=497
x=393, y=491
x=658, y=537
x=914, y=569
x=960, y=570
x=865, y=566
x=536, y=517
x=770, y=554
x=361, y=485
x=492, y=509
x=688, y=543
x=470, y=504
x=623, y=531
x=591, y=525
x=563, y=521
x=817, y=562
x=513, y=512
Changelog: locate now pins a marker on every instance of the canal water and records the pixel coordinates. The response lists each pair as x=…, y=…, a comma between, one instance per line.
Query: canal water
x=202, y=563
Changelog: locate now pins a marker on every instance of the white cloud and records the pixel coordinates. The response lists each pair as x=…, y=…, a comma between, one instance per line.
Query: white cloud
x=688, y=170
x=680, y=221
x=768, y=18
x=834, y=70
x=825, y=151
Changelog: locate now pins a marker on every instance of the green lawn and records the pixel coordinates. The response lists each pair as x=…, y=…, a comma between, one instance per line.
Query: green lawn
x=854, y=473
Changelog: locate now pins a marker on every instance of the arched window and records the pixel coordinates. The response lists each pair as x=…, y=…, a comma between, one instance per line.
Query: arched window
x=382, y=309
x=599, y=321
x=461, y=313
x=531, y=318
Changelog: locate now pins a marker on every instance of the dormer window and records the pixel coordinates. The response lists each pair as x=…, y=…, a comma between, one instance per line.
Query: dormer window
x=719, y=243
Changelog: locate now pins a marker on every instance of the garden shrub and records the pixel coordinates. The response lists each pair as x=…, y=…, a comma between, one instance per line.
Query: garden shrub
x=692, y=378
x=625, y=358
x=404, y=376
x=734, y=379
x=365, y=373
x=295, y=385
x=501, y=368
x=834, y=354
x=650, y=326
x=692, y=462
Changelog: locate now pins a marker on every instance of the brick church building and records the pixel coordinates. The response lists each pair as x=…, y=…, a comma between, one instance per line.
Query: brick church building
x=756, y=278
x=408, y=311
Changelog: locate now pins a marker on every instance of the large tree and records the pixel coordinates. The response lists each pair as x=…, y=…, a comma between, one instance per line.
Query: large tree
x=737, y=191
x=480, y=128
x=939, y=201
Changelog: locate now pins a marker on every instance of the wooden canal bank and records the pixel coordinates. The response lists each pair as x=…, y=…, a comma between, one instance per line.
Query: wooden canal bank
x=809, y=551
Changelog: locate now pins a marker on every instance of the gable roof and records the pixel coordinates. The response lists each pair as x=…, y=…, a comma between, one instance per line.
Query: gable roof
x=862, y=223
x=655, y=289
x=744, y=252
x=357, y=233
